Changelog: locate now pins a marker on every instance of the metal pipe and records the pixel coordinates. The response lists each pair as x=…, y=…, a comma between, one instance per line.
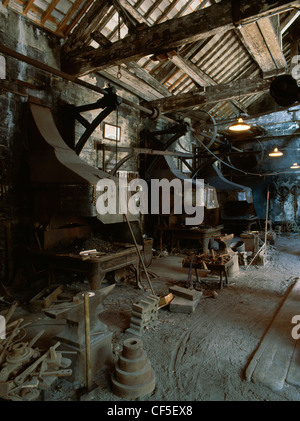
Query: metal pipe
x=88, y=364
x=267, y=217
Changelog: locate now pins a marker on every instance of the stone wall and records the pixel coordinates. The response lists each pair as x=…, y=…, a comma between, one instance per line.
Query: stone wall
x=19, y=81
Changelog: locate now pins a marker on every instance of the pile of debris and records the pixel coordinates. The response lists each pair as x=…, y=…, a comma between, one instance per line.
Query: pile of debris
x=95, y=242
x=203, y=261
x=25, y=369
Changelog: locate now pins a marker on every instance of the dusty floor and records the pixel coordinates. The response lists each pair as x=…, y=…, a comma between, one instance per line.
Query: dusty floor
x=202, y=356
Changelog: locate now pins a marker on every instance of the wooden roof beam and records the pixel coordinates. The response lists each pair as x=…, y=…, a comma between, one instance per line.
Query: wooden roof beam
x=129, y=81
x=130, y=21
x=169, y=35
x=261, y=41
x=70, y=13
x=81, y=35
x=212, y=94
x=49, y=11
x=286, y=23
x=28, y=7
x=199, y=77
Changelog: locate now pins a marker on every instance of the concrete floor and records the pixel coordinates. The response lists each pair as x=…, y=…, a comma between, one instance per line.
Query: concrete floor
x=201, y=356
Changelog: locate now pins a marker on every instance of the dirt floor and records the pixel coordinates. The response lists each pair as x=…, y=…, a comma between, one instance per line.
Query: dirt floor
x=200, y=356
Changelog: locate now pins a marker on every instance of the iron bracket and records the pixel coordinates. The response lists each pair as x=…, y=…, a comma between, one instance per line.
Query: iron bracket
x=109, y=102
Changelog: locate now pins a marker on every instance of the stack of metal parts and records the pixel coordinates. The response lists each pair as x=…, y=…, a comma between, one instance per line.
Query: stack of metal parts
x=26, y=370
x=143, y=315
x=133, y=376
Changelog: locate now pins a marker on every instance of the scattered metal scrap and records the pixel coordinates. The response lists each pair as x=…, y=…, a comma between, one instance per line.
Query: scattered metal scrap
x=45, y=298
x=204, y=260
x=26, y=370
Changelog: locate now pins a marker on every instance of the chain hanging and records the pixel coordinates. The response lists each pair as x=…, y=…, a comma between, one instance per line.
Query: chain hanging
x=119, y=74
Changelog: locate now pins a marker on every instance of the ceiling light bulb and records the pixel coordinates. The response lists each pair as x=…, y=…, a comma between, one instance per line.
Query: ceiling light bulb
x=295, y=165
x=239, y=126
x=276, y=152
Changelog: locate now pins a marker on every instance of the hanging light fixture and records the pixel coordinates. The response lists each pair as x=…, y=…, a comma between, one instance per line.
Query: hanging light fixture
x=239, y=126
x=276, y=152
x=295, y=166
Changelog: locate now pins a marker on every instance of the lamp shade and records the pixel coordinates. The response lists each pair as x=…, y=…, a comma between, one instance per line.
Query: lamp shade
x=276, y=152
x=240, y=126
x=295, y=166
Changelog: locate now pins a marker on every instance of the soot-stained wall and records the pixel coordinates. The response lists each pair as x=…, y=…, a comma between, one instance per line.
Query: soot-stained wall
x=20, y=81
x=282, y=130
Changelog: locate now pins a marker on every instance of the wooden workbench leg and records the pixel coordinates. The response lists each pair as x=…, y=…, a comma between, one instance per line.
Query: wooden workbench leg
x=197, y=277
x=95, y=278
x=161, y=240
x=226, y=277
x=137, y=270
x=221, y=279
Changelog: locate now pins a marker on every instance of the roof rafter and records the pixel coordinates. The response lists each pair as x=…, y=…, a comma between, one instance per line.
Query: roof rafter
x=262, y=43
x=88, y=24
x=199, y=76
x=170, y=34
x=212, y=94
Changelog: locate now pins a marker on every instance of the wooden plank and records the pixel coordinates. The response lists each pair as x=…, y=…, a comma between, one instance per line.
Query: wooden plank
x=150, y=80
x=199, y=77
x=129, y=81
x=262, y=43
x=272, y=360
x=212, y=94
x=49, y=11
x=130, y=21
x=272, y=42
x=71, y=12
x=78, y=16
x=167, y=35
x=191, y=70
x=27, y=8
x=88, y=24
x=256, y=46
x=133, y=11
x=287, y=22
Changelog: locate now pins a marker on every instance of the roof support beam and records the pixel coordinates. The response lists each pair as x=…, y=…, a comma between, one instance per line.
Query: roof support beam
x=286, y=23
x=200, y=77
x=262, y=43
x=171, y=34
x=211, y=95
x=88, y=24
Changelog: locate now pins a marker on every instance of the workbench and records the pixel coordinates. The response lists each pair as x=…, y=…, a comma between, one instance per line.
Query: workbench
x=95, y=267
x=203, y=235
x=222, y=269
